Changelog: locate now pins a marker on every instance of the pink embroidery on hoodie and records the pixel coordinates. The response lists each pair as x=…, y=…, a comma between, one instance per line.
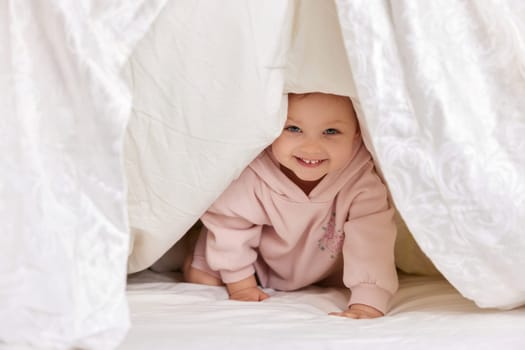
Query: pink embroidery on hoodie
x=333, y=239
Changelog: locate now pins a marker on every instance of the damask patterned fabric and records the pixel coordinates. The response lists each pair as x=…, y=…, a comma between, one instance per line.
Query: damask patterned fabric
x=442, y=93
x=63, y=111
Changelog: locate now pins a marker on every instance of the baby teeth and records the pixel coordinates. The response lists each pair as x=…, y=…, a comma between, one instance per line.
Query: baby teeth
x=311, y=161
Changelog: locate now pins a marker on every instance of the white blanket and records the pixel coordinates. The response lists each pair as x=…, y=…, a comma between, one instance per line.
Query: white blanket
x=63, y=112
x=441, y=87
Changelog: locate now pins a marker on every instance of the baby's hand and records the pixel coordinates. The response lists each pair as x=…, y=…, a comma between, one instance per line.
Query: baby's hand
x=249, y=294
x=359, y=311
x=246, y=290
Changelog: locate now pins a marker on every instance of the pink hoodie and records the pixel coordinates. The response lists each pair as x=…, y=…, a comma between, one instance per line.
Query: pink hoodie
x=264, y=223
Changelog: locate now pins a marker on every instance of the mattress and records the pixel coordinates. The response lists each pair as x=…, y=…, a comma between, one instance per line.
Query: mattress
x=427, y=313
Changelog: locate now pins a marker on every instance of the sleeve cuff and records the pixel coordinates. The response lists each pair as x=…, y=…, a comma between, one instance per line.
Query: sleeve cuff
x=372, y=295
x=236, y=276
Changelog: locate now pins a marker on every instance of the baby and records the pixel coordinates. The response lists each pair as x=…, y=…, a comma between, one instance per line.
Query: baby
x=309, y=209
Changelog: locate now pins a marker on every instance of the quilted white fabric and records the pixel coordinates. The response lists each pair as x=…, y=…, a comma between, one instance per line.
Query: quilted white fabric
x=208, y=97
x=63, y=111
x=442, y=87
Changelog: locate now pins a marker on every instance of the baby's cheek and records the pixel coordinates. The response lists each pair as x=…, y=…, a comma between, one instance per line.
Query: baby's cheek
x=280, y=149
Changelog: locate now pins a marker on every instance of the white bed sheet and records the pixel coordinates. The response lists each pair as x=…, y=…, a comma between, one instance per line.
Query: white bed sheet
x=427, y=313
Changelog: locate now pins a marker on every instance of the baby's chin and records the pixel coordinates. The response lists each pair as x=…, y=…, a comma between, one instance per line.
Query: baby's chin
x=309, y=178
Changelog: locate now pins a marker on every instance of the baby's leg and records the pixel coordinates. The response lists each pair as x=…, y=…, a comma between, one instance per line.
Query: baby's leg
x=201, y=274
x=193, y=275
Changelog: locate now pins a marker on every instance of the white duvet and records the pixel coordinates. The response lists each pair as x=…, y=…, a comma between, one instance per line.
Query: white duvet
x=439, y=89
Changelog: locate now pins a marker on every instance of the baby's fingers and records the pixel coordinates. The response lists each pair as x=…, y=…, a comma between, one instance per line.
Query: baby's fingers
x=249, y=294
x=263, y=296
x=347, y=313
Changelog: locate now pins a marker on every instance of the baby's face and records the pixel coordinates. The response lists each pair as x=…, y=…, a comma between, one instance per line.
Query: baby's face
x=318, y=135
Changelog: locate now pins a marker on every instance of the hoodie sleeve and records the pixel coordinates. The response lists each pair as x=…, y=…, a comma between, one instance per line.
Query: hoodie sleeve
x=234, y=224
x=368, y=249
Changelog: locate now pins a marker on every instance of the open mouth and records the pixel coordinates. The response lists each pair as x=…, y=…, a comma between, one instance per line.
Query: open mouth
x=311, y=163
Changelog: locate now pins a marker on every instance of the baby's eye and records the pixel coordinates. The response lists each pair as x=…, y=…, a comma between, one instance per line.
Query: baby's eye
x=292, y=128
x=331, y=131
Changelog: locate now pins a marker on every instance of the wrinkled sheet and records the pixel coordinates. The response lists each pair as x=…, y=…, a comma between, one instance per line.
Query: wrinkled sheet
x=427, y=313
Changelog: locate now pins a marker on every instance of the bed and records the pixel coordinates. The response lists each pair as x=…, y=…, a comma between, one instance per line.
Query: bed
x=427, y=313
x=122, y=121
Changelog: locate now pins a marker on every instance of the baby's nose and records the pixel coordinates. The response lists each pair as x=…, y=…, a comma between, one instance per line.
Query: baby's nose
x=311, y=147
